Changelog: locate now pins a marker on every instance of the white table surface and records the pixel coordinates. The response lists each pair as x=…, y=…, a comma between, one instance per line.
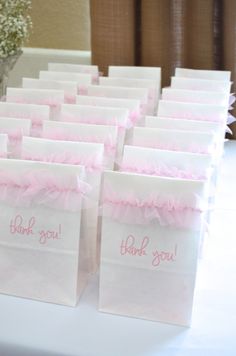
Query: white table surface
x=30, y=328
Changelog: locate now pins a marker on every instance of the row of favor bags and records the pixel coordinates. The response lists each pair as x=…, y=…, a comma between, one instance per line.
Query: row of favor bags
x=50, y=194
x=72, y=136
x=162, y=190
x=155, y=209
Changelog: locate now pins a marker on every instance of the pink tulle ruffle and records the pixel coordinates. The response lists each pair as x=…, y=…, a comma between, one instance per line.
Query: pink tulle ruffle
x=40, y=187
x=159, y=208
x=14, y=135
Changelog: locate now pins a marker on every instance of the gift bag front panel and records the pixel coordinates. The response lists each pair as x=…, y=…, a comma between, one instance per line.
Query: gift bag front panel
x=39, y=250
x=148, y=271
x=89, y=154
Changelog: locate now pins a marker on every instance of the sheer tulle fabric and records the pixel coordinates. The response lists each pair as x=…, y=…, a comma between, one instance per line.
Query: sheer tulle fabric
x=134, y=118
x=165, y=210
x=70, y=99
x=14, y=135
x=92, y=164
x=83, y=90
x=42, y=188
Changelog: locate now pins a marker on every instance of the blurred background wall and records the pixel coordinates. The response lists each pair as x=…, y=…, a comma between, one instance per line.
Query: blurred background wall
x=60, y=24
x=61, y=33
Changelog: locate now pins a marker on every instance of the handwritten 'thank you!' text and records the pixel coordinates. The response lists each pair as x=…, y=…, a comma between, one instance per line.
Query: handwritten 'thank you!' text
x=19, y=226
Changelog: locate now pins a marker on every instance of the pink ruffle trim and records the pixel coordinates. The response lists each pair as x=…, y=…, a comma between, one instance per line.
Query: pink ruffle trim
x=42, y=188
x=14, y=135
x=164, y=210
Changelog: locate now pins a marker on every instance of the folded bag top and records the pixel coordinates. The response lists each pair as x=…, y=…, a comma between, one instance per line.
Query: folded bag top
x=203, y=74
x=196, y=96
x=165, y=163
x=201, y=84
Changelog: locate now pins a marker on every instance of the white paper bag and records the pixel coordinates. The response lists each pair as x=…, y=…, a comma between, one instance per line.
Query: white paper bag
x=35, y=113
x=69, y=87
x=196, y=96
x=3, y=145
x=203, y=74
x=82, y=79
x=150, y=237
x=215, y=128
x=131, y=104
x=200, y=84
x=99, y=116
x=76, y=68
x=50, y=97
x=67, y=131
x=140, y=94
x=151, y=85
x=192, y=111
x=184, y=124
x=15, y=130
x=89, y=155
x=175, y=140
x=42, y=254
x=150, y=161
x=152, y=73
